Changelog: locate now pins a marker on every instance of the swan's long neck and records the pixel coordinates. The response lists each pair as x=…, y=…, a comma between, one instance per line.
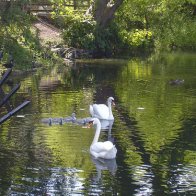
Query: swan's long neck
x=110, y=109
x=97, y=133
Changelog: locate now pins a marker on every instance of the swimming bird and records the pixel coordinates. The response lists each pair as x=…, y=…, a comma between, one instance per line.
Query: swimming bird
x=71, y=118
x=102, y=111
x=105, y=150
x=106, y=124
x=47, y=121
x=83, y=121
x=176, y=82
x=59, y=120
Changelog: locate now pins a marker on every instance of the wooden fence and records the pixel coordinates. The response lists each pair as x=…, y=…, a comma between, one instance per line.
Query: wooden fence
x=5, y=98
x=41, y=6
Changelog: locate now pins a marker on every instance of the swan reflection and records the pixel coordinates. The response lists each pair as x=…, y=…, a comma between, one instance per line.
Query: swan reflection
x=104, y=164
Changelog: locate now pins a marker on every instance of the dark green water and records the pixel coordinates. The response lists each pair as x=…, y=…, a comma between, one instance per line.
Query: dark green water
x=154, y=130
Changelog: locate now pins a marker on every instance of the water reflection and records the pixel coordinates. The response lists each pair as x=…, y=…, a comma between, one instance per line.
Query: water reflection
x=143, y=178
x=104, y=164
x=154, y=131
x=60, y=181
x=183, y=179
x=64, y=182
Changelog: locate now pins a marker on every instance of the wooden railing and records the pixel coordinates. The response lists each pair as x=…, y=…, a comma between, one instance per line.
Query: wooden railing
x=42, y=7
x=4, y=98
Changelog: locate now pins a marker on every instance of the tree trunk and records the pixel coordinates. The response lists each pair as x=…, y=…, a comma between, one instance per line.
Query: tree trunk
x=75, y=4
x=104, y=10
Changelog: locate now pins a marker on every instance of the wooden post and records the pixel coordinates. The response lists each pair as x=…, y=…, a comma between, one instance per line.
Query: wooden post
x=17, y=109
x=6, y=98
x=5, y=76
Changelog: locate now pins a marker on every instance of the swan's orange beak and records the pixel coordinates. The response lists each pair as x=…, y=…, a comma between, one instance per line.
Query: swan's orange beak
x=113, y=103
x=90, y=124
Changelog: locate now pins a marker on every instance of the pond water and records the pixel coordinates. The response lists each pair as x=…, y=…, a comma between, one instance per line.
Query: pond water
x=154, y=130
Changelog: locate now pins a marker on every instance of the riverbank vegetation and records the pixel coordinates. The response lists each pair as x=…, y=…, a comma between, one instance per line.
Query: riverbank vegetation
x=16, y=36
x=19, y=39
x=131, y=27
x=112, y=28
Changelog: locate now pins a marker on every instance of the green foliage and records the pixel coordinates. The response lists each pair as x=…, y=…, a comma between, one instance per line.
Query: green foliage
x=107, y=41
x=171, y=24
x=178, y=33
x=79, y=31
x=136, y=37
x=139, y=25
x=17, y=37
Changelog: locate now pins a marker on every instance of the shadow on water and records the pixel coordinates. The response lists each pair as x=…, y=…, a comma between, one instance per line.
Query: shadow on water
x=131, y=123
x=153, y=130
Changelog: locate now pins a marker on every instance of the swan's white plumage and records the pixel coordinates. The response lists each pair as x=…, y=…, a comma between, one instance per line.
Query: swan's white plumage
x=102, y=111
x=105, y=150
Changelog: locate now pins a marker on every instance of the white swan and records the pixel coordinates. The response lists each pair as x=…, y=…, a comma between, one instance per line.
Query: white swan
x=106, y=124
x=105, y=150
x=102, y=111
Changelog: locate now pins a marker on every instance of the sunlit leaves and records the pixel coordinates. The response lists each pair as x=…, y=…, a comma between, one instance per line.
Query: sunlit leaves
x=136, y=37
x=170, y=22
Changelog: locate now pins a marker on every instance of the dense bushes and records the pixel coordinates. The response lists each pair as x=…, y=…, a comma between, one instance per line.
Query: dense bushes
x=83, y=33
x=178, y=34
x=138, y=27
x=79, y=31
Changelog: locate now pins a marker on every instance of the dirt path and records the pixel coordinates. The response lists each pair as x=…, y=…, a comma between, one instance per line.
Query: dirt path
x=47, y=32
